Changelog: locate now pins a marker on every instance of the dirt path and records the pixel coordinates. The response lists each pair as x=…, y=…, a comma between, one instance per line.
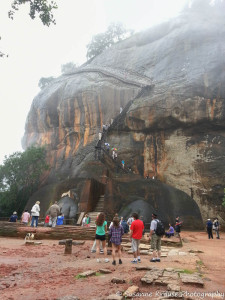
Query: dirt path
x=41, y=272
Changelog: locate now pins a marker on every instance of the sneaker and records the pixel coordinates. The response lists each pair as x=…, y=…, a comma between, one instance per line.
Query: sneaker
x=106, y=260
x=139, y=260
x=114, y=263
x=158, y=259
x=134, y=261
x=93, y=251
x=153, y=260
x=98, y=260
x=120, y=261
x=101, y=251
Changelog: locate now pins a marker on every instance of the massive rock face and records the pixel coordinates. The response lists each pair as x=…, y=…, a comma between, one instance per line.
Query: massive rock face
x=170, y=80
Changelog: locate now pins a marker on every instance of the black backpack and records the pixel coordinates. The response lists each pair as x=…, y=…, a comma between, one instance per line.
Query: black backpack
x=160, y=229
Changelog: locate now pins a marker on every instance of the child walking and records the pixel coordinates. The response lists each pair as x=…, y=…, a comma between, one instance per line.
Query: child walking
x=115, y=232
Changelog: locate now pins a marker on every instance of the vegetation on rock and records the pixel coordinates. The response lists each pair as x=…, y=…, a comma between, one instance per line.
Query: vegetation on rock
x=45, y=81
x=68, y=67
x=114, y=33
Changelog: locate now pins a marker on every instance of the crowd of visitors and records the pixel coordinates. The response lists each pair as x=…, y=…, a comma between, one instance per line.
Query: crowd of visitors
x=53, y=217
x=117, y=228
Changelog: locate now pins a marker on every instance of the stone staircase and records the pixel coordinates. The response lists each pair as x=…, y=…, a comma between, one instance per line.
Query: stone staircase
x=100, y=205
x=99, y=208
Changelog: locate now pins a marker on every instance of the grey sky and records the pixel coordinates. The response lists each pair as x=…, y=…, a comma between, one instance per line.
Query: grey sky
x=37, y=51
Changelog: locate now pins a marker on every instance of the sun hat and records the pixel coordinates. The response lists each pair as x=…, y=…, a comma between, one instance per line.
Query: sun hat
x=15, y=213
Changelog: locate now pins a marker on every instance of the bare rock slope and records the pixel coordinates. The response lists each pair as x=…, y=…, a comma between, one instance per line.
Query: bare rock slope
x=170, y=80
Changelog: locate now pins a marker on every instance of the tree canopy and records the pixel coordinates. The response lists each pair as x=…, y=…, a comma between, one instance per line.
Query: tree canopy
x=19, y=177
x=41, y=8
x=68, y=67
x=114, y=33
x=45, y=81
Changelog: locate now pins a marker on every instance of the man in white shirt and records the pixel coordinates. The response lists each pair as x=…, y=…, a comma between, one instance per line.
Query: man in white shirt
x=129, y=221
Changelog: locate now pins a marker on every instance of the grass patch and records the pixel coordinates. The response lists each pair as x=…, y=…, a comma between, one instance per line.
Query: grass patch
x=79, y=276
x=130, y=282
x=187, y=271
x=199, y=263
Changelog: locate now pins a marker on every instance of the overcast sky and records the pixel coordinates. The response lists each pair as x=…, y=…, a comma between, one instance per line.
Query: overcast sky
x=37, y=51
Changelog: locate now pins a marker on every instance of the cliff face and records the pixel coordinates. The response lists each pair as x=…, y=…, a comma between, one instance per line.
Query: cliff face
x=170, y=80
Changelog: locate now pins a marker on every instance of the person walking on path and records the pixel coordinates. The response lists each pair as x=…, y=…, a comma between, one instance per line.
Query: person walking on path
x=54, y=211
x=123, y=163
x=101, y=228
x=209, y=226
x=216, y=227
x=116, y=231
x=113, y=154
x=129, y=221
x=136, y=230
x=93, y=249
x=35, y=213
x=178, y=224
x=13, y=217
x=25, y=217
x=155, y=239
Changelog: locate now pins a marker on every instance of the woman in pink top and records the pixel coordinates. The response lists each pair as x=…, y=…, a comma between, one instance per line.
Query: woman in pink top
x=25, y=217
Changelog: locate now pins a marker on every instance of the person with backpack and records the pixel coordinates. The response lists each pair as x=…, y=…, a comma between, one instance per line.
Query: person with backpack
x=157, y=230
x=216, y=227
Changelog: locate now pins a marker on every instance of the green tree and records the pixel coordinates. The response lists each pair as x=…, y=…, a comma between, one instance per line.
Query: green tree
x=68, y=67
x=41, y=8
x=20, y=177
x=114, y=33
x=45, y=81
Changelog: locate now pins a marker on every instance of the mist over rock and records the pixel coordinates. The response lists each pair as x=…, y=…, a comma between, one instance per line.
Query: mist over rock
x=170, y=81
